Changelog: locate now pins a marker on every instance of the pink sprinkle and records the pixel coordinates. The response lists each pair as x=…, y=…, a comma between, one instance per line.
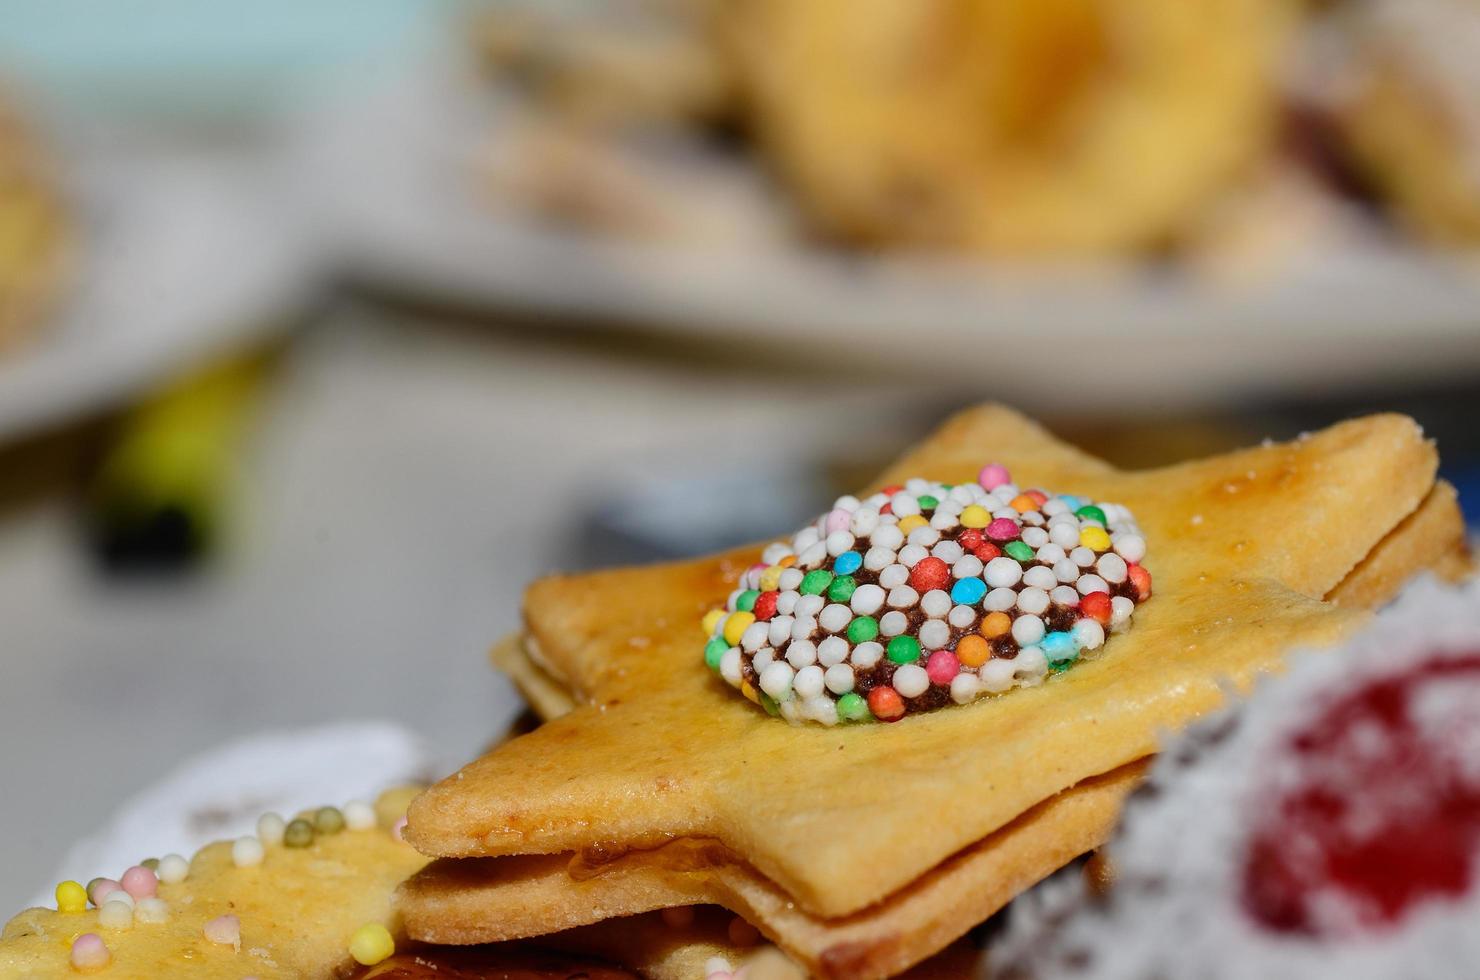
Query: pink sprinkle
x=839, y=520
x=225, y=930
x=140, y=882
x=993, y=475
x=397, y=828
x=942, y=667
x=89, y=952
x=1002, y=529
x=101, y=889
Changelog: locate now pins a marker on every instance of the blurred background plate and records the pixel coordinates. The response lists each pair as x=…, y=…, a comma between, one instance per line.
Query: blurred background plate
x=396, y=173
x=178, y=261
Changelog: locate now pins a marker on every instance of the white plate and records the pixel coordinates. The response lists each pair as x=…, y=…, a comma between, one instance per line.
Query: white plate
x=396, y=174
x=177, y=262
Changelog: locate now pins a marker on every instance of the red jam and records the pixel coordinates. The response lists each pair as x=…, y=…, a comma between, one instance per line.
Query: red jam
x=1384, y=810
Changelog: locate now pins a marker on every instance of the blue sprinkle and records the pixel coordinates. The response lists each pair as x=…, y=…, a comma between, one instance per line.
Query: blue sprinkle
x=968, y=591
x=848, y=563
x=1059, y=647
x=1074, y=502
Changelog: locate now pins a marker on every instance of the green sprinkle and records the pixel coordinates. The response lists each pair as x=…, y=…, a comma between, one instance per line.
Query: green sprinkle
x=842, y=588
x=298, y=833
x=816, y=581
x=903, y=649
x=769, y=703
x=713, y=651
x=851, y=707
x=90, y=886
x=1091, y=513
x=928, y=502
x=1061, y=666
x=151, y=863
x=863, y=629
x=745, y=602
x=1019, y=550
x=328, y=820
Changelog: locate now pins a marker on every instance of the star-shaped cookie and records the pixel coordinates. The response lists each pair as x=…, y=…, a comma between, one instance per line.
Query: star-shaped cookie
x=1244, y=546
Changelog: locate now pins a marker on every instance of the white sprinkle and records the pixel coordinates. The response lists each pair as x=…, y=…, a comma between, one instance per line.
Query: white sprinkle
x=1064, y=534
x=839, y=678
x=949, y=552
x=833, y=650
x=935, y=603
x=967, y=566
x=775, y=552
x=152, y=910
x=1035, y=537
x=877, y=559
x=1089, y=634
x=1082, y=556
x=729, y=666
x=173, y=868
x=246, y=852
x=776, y=680
x=1091, y=583
x=1054, y=506
x=790, y=579
x=893, y=623
x=120, y=896
x=225, y=930
x=804, y=539
x=800, y=653
x=1050, y=554
x=894, y=576
x=943, y=520
x=803, y=627
x=865, y=521
x=839, y=542
x=821, y=709
x=904, y=504
x=786, y=602
x=934, y=634
x=923, y=537
x=1111, y=567
x=846, y=502
x=778, y=630
x=1033, y=601
x=911, y=554
x=754, y=637
x=835, y=618
x=997, y=674
x=1003, y=572
x=887, y=536
x=808, y=682
x=865, y=655
x=1033, y=519
x=1066, y=571
x=962, y=617
x=903, y=597
x=1039, y=577
x=1120, y=611
x=867, y=599
x=1000, y=600
x=270, y=827
x=809, y=606
x=1065, y=595
x=813, y=556
x=965, y=687
x=116, y=914
x=762, y=659
x=911, y=681
x=1131, y=547
x=1027, y=630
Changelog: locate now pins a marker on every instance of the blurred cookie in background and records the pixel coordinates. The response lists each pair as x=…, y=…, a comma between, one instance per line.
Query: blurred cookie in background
x=33, y=230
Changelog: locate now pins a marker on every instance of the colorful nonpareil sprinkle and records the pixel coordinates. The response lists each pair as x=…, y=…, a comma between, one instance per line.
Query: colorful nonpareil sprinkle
x=925, y=594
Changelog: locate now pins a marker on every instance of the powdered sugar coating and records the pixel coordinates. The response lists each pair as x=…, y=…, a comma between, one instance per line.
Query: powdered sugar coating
x=1178, y=906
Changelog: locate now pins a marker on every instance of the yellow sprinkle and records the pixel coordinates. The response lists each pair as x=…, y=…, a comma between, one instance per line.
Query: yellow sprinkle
x=908, y=524
x=749, y=691
x=975, y=516
x=71, y=897
x=771, y=578
x=736, y=626
x=1095, y=539
x=711, y=620
x=371, y=944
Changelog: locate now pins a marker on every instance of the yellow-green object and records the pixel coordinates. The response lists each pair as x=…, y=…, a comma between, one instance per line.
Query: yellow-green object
x=160, y=492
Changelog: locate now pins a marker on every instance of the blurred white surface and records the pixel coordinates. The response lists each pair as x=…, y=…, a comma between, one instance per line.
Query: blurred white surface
x=178, y=260
x=403, y=488
x=401, y=173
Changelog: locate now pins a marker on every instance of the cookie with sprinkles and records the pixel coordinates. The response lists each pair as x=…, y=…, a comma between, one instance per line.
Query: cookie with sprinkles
x=926, y=594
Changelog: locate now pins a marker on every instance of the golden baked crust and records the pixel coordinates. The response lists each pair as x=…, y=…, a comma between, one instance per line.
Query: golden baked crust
x=1432, y=538
x=298, y=910
x=1018, y=127
x=462, y=901
x=1247, y=544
